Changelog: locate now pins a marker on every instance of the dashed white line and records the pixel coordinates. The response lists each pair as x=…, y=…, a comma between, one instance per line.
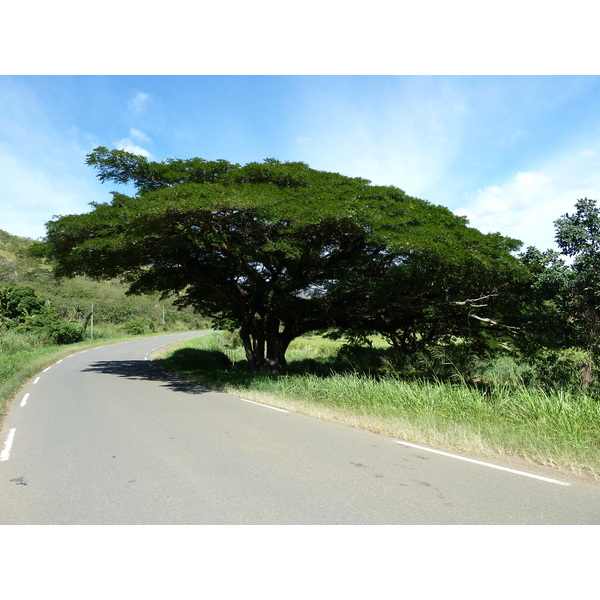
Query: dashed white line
x=46, y=369
x=24, y=401
x=5, y=454
x=264, y=405
x=479, y=462
x=36, y=380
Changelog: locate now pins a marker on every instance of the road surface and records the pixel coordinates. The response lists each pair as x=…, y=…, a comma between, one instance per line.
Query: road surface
x=105, y=437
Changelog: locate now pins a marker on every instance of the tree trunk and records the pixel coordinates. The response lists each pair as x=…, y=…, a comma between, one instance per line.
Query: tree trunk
x=254, y=345
x=265, y=346
x=277, y=345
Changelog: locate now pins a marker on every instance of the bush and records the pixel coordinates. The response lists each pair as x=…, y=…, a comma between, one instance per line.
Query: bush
x=138, y=326
x=507, y=371
x=570, y=369
x=63, y=332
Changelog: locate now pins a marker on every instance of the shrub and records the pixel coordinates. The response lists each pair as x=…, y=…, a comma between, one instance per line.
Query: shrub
x=63, y=332
x=506, y=371
x=570, y=369
x=138, y=326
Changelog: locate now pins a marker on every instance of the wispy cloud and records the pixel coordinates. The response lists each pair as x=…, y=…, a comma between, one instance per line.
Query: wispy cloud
x=138, y=101
x=402, y=133
x=33, y=193
x=42, y=164
x=526, y=204
x=500, y=152
x=139, y=135
x=132, y=146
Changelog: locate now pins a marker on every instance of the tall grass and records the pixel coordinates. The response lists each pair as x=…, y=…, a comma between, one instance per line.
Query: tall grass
x=557, y=427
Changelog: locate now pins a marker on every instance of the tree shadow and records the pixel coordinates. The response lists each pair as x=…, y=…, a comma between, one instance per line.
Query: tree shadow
x=146, y=371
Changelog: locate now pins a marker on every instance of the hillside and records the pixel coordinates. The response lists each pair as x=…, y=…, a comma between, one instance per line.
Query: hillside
x=74, y=297
x=14, y=263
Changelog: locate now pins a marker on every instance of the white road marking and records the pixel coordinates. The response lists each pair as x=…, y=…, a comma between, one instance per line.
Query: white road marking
x=4, y=455
x=24, y=401
x=36, y=380
x=46, y=369
x=264, y=405
x=478, y=462
x=59, y=361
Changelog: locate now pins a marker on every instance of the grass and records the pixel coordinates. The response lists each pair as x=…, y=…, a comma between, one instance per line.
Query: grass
x=557, y=428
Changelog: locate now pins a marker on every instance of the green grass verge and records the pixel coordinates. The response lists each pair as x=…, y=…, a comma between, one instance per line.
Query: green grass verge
x=557, y=429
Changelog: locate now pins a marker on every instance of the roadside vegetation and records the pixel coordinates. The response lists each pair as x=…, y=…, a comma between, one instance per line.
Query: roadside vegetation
x=490, y=407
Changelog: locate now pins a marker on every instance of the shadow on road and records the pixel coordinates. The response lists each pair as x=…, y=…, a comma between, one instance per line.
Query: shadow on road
x=145, y=370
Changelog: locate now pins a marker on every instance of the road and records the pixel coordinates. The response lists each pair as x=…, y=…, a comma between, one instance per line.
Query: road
x=105, y=437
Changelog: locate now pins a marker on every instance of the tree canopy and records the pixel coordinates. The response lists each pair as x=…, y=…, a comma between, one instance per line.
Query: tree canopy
x=578, y=237
x=277, y=249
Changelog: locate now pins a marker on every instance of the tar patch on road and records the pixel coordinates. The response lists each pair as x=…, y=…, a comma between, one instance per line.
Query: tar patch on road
x=18, y=481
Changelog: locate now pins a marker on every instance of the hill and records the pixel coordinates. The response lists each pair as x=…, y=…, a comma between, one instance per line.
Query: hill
x=74, y=298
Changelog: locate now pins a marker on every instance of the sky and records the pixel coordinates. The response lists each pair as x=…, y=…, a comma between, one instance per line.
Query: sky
x=512, y=153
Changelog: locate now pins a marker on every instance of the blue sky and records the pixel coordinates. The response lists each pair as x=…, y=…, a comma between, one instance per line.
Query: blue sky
x=513, y=153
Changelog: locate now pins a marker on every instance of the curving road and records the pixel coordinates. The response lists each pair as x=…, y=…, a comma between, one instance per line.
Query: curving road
x=105, y=437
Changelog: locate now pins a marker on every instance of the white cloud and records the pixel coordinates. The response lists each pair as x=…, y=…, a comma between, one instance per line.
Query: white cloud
x=130, y=146
x=137, y=103
x=133, y=145
x=526, y=205
x=139, y=135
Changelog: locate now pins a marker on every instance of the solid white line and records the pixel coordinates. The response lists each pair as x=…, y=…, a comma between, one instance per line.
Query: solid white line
x=478, y=462
x=36, y=380
x=264, y=405
x=24, y=401
x=7, y=445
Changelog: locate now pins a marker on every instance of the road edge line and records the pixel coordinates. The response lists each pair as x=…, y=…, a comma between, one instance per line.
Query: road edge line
x=485, y=464
x=5, y=454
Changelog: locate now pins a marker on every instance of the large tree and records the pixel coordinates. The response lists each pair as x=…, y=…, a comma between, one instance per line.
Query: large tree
x=276, y=250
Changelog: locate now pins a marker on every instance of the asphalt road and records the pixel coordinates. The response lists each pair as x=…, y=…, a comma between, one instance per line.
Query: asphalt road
x=105, y=437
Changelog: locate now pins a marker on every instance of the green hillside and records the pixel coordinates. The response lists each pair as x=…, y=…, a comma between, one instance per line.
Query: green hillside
x=74, y=298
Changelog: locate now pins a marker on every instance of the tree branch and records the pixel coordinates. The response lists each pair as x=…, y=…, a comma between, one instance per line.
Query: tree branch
x=470, y=301
x=484, y=320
